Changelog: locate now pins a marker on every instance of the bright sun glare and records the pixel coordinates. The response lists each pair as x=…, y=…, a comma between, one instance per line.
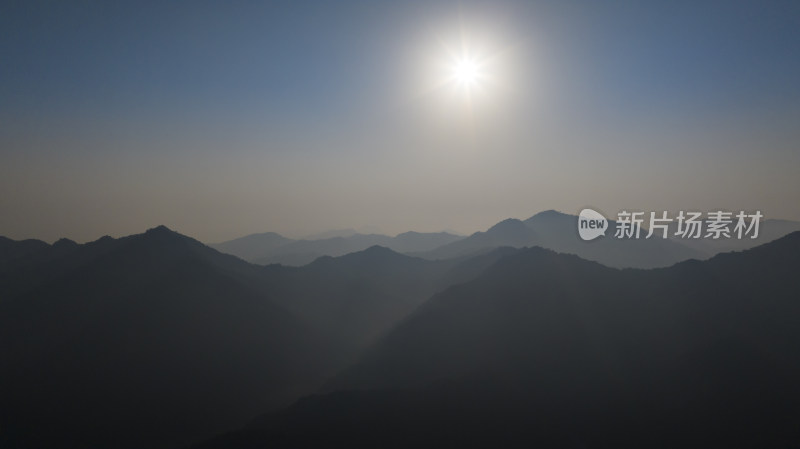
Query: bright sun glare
x=467, y=68
x=466, y=73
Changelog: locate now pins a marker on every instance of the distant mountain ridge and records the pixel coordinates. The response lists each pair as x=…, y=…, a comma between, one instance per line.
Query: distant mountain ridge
x=267, y=248
x=253, y=246
x=558, y=231
x=548, y=229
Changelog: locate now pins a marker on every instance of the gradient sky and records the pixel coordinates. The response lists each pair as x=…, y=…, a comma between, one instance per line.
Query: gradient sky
x=228, y=118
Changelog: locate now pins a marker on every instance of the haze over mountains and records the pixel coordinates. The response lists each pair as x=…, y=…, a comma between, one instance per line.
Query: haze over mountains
x=269, y=247
x=105, y=343
x=333, y=133
x=549, y=350
x=548, y=229
x=157, y=340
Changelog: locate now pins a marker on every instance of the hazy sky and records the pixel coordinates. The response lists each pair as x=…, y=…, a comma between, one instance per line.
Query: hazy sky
x=228, y=118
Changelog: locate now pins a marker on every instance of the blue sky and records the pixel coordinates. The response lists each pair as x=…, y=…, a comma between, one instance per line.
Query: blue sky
x=221, y=119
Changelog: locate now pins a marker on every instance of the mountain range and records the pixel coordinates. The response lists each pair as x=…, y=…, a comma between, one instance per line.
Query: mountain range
x=157, y=340
x=549, y=229
x=550, y=350
x=269, y=247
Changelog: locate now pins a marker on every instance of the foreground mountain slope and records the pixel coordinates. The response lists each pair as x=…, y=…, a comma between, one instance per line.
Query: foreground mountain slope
x=155, y=339
x=151, y=340
x=354, y=298
x=357, y=297
x=548, y=349
x=670, y=309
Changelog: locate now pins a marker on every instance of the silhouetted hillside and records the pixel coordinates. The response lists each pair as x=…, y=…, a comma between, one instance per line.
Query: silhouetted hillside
x=357, y=297
x=272, y=248
x=510, y=232
x=151, y=340
x=155, y=339
x=769, y=230
x=253, y=246
x=549, y=229
x=558, y=231
x=551, y=350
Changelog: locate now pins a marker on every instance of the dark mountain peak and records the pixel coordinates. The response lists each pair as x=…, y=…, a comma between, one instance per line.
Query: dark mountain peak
x=65, y=243
x=542, y=265
x=104, y=239
x=267, y=234
x=159, y=244
x=507, y=225
x=374, y=257
x=259, y=237
x=378, y=249
x=548, y=215
x=408, y=234
x=163, y=235
x=12, y=249
x=26, y=242
x=375, y=253
x=511, y=232
x=161, y=230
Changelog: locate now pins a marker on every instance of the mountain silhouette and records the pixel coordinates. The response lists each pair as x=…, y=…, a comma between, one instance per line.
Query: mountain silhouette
x=156, y=340
x=357, y=297
x=549, y=229
x=269, y=248
x=769, y=230
x=510, y=232
x=558, y=231
x=252, y=246
x=549, y=349
x=151, y=340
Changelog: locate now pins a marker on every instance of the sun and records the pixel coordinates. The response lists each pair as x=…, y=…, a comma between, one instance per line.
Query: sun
x=467, y=70
x=466, y=73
